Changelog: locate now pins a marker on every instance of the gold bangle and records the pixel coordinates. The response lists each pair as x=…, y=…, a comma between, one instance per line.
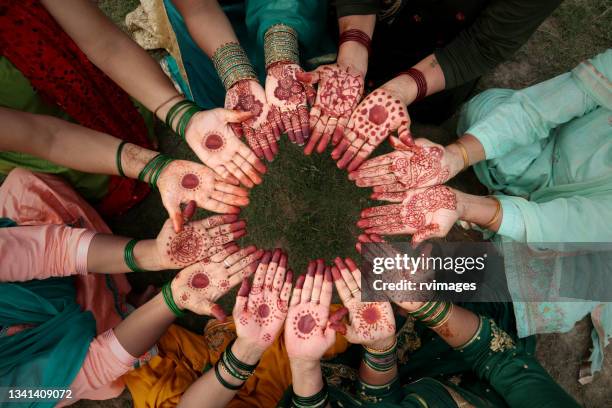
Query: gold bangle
x=497, y=213
x=375, y=351
x=464, y=154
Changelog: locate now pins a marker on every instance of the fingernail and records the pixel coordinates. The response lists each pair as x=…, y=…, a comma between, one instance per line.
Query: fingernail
x=266, y=257
x=335, y=273
x=311, y=268
x=300, y=282
x=328, y=275
x=283, y=261
x=239, y=234
x=276, y=256
x=289, y=276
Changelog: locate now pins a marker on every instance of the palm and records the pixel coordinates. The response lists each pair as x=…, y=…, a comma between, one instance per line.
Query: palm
x=213, y=141
x=304, y=331
x=197, y=240
x=379, y=114
x=184, y=181
x=369, y=321
x=198, y=286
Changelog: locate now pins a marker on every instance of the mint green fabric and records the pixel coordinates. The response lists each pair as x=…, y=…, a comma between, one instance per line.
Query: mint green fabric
x=51, y=353
x=549, y=155
x=250, y=20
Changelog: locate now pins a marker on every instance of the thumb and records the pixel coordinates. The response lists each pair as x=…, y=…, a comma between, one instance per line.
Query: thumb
x=234, y=116
x=242, y=297
x=399, y=144
x=310, y=78
x=217, y=312
x=189, y=210
x=177, y=219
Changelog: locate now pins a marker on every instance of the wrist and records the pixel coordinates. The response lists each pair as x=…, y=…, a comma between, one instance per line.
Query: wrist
x=147, y=256
x=402, y=87
x=134, y=158
x=355, y=55
x=381, y=344
x=307, y=376
x=457, y=159
x=162, y=111
x=246, y=351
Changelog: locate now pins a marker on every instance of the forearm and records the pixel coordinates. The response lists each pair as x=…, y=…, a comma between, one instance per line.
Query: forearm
x=351, y=53
x=199, y=392
x=111, y=50
x=143, y=327
x=107, y=255
x=207, y=24
x=406, y=87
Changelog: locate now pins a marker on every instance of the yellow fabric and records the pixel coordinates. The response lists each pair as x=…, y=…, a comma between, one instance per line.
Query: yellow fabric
x=183, y=356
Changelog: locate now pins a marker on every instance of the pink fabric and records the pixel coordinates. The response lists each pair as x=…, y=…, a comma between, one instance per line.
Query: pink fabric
x=37, y=199
x=42, y=251
x=105, y=363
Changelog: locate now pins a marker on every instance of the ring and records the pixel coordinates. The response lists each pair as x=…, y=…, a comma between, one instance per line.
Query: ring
x=227, y=265
x=355, y=291
x=314, y=300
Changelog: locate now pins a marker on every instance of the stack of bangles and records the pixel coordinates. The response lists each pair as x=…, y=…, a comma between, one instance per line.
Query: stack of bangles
x=281, y=45
x=381, y=360
x=169, y=300
x=357, y=36
x=420, y=81
x=434, y=314
x=128, y=256
x=318, y=400
x=184, y=111
x=232, y=64
x=154, y=168
x=233, y=367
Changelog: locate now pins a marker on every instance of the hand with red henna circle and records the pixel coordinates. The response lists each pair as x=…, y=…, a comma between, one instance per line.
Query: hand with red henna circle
x=410, y=166
x=310, y=329
x=198, y=286
x=211, y=138
x=371, y=323
x=260, y=314
x=340, y=90
x=425, y=213
x=261, y=130
x=197, y=240
x=290, y=98
x=184, y=181
x=379, y=114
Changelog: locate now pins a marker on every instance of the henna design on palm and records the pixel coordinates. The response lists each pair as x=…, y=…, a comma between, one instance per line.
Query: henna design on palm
x=379, y=114
x=425, y=213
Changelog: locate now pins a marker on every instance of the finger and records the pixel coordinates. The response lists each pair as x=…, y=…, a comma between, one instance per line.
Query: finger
x=318, y=282
x=279, y=277
x=286, y=120
x=390, y=188
x=369, y=172
x=189, y=210
x=343, y=291
x=315, y=116
x=243, y=273
x=237, y=129
x=237, y=256
x=229, y=237
x=347, y=276
x=216, y=220
x=246, y=168
x=311, y=94
x=297, y=129
x=352, y=152
x=286, y=289
x=425, y=233
x=234, y=116
x=271, y=137
x=381, y=210
x=217, y=312
x=251, y=139
x=230, y=189
x=354, y=271
x=317, y=131
x=269, y=279
x=376, y=181
x=308, y=282
x=339, y=130
x=177, y=219
x=330, y=128
x=361, y=156
x=239, y=174
x=327, y=289
x=278, y=121
x=391, y=197
x=243, y=263
x=311, y=77
x=219, y=207
x=343, y=145
x=249, y=156
x=229, y=198
x=404, y=135
x=304, y=121
x=384, y=161
x=242, y=297
x=263, y=142
x=297, y=291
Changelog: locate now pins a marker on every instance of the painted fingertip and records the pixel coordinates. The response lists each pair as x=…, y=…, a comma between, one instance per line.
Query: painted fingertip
x=238, y=225
x=289, y=276
x=338, y=328
x=218, y=313
x=358, y=247
x=230, y=218
x=336, y=273
x=362, y=223
x=300, y=282
x=265, y=259
x=283, y=261
x=189, y=210
x=239, y=234
x=276, y=255
x=244, y=288
x=320, y=266
x=374, y=196
x=351, y=264
x=352, y=176
x=328, y=274
x=259, y=253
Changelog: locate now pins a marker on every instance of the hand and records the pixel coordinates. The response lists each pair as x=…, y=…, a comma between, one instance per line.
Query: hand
x=367, y=239
x=340, y=90
x=213, y=141
x=309, y=328
x=289, y=97
x=260, y=311
x=198, y=240
x=184, y=181
x=260, y=131
x=424, y=213
x=410, y=166
x=379, y=114
x=198, y=286
x=371, y=323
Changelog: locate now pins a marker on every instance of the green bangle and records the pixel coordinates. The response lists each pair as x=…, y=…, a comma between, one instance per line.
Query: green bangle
x=173, y=111
x=147, y=168
x=169, y=299
x=157, y=172
x=234, y=360
x=233, y=371
x=128, y=256
x=185, y=118
x=118, y=158
x=222, y=380
x=440, y=317
x=317, y=400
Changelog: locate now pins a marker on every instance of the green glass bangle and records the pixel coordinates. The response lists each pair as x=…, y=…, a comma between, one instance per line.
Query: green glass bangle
x=441, y=316
x=169, y=299
x=128, y=256
x=429, y=312
x=233, y=371
x=158, y=170
x=185, y=119
x=147, y=168
x=222, y=380
x=234, y=360
x=174, y=110
x=118, y=158
x=317, y=400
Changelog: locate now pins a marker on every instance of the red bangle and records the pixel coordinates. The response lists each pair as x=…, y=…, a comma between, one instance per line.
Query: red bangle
x=421, y=83
x=357, y=36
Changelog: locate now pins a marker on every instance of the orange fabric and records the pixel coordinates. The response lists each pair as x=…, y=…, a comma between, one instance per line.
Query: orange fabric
x=184, y=356
x=38, y=199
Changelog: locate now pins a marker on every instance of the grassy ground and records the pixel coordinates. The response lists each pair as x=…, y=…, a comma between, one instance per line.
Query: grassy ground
x=309, y=208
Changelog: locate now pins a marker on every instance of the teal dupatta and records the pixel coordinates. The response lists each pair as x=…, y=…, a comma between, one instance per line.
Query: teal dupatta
x=51, y=353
